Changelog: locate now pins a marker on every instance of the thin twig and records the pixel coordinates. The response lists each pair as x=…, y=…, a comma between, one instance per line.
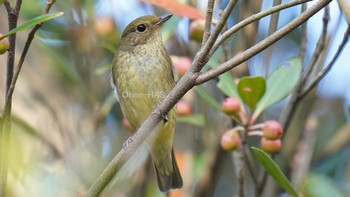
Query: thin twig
x=251, y=19
x=8, y=6
x=12, y=18
x=319, y=48
x=202, y=57
x=303, y=36
x=272, y=28
x=208, y=21
x=262, y=44
x=294, y=100
x=325, y=71
x=5, y=122
x=23, y=55
x=250, y=166
x=304, y=154
x=238, y=160
x=224, y=45
x=262, y=183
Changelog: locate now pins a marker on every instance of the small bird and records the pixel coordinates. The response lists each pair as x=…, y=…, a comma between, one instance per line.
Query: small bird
x=142, y=75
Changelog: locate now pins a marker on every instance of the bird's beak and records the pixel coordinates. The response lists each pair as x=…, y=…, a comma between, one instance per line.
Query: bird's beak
x=163, y=19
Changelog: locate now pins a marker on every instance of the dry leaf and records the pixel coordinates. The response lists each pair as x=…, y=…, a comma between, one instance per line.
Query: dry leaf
x=177, y=8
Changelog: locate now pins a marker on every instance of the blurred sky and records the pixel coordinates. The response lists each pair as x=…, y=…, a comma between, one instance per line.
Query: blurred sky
x=336, y=83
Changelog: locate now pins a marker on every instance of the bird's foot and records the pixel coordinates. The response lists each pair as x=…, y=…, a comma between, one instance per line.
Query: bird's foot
x=158, y=112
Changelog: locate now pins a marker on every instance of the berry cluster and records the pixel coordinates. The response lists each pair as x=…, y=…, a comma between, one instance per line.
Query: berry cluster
x=270, y=131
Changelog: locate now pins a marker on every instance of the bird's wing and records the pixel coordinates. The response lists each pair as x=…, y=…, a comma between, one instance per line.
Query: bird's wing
x=175, y=75
x=114, y=86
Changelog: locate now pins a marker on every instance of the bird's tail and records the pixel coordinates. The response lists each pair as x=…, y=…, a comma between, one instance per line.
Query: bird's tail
x=169, y=181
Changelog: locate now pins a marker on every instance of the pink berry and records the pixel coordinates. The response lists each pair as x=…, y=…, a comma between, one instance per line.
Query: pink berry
x=181, y=64
x=271, y=146
x=231, y=106
x=230, y=140
x=183, y=108
x=272, y=130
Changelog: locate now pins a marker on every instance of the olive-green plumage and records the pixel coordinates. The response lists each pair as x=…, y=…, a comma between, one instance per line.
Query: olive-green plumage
x=143, y=75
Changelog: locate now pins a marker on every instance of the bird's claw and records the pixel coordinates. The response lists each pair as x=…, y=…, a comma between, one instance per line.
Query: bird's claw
x=158, y=112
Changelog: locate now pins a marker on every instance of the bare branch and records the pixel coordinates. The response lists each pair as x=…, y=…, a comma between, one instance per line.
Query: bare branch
x=251, y=19
x=202, y=57
x=303, y=36
x=319, y=48
x=208, y=20
x=7, y=6
x=272, y=28
x=295, y=98
x=262, y=44
x=325, y=71
x=18, y=5
x=21, y=60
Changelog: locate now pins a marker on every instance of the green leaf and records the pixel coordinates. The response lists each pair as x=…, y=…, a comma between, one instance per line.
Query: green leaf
x=209, y=99
x=273, y=170
x=197, y=120
x=280, y=84
x=228, y=86
x=251, y=89
x=319, y=185
x=32, y=22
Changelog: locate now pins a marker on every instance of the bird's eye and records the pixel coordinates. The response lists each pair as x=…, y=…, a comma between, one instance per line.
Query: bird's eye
x=141, y=28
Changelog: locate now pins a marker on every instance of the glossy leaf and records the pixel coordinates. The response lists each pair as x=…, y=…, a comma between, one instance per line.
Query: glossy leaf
x=197, y=120
x=32, y=22
x=177, y=8
x=228, y=86
x=274, y=171
x=280, y=84
x=251, y=89
x=208, y=98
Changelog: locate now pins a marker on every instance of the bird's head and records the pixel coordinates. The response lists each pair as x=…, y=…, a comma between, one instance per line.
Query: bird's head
x=143, y=30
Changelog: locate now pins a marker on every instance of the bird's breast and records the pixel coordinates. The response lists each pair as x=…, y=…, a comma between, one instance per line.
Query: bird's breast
x=143, y=79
